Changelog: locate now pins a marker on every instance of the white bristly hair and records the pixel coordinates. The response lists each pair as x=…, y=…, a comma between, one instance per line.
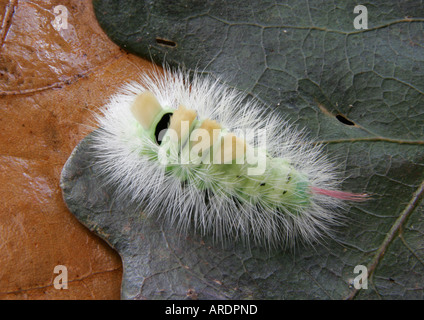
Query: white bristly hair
x=118, y=149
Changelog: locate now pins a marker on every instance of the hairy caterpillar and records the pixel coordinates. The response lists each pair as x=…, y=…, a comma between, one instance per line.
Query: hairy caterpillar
x=200, y=156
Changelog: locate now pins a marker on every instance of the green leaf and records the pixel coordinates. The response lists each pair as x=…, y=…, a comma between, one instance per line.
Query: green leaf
x=307, y=60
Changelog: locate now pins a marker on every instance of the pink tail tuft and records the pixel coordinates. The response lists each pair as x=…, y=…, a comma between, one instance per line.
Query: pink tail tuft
x=341, y=194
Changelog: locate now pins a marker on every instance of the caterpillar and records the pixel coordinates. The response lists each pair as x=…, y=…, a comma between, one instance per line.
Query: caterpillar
x=201, y=156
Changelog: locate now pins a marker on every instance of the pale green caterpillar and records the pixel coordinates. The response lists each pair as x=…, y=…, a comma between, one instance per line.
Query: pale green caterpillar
x=279, y=185
x=198, y=156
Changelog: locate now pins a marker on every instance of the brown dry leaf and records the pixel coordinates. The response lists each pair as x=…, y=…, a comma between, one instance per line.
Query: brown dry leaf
x=51, y=81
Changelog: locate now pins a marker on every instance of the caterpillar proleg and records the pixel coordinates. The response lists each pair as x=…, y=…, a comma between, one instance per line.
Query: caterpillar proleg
x=202, y=157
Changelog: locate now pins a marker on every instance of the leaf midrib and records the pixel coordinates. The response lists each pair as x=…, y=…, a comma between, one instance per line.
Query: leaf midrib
x=400, y=221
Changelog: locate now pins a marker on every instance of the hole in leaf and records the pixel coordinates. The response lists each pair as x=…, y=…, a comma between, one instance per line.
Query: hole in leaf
x=344, y=120
x=167, y=43
x=162, y=126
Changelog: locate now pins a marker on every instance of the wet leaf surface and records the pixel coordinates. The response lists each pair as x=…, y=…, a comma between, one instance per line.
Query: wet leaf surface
x=51, y=82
